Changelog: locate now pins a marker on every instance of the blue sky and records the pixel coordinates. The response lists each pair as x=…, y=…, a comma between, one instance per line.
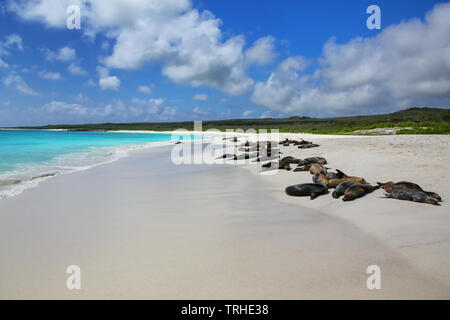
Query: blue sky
x=177, y=60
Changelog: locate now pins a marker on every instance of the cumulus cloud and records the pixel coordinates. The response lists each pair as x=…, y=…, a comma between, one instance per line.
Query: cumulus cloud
x=405, y=65
x=76, y=70
x=15, y=81
x=145, y=89
x=107, y=82
x=262, y=51
x=200, y=97
x=49, y=75
x=148, y=32
x=64, y=54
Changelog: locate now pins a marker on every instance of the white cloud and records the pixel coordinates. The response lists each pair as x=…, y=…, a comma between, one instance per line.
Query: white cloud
x=76, y=70
x=145, y=89
x=11, y=41
x=106, y=81
x=64, y=54
x=16, y=81
x=405, y=65
x=65, y=108
x=147, y=32
x=49, y=75
x=200, y=97
x=3, y=64
x=262, y=51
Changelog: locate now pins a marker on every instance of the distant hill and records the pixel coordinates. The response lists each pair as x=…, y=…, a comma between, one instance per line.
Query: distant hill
x=414, y=120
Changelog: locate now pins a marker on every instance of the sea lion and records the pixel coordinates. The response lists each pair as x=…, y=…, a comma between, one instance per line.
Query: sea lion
x=413, y=195
x=401, y=186
x=307, y=146
x=307, y=189
x=358, y=190
x=264, y=158
x=341, y=187
x=335, y=175
x=312, y=160
x=289, y=160
x=317, y=168
x=320, y=178
x=225, y=156
x=334, y=182
x=245, y=156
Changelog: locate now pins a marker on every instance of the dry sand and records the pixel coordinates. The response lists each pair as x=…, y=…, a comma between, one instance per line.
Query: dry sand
x=142, y=227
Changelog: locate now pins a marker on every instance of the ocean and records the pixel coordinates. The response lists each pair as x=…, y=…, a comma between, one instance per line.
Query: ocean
x=28, y=157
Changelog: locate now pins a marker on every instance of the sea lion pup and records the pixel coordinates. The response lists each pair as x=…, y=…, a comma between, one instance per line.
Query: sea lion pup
x=413, y=195
x=307, y=146
x=306, y=189
x=284, y=141
x=317, y=168
x=390, y=187
x=357, y=191
x=341, y=187
x=312, y=160
x=320, y=178
x=332, y=183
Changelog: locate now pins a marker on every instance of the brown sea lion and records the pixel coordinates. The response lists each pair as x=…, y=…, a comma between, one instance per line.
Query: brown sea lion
x=413, y=195
x=390, y=187
x=317, y=168
x=334, y=182
x=341, y=187
x=307, y=189
x=357, y=191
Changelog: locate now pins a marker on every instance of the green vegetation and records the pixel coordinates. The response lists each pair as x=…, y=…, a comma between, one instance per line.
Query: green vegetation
x=414, y=120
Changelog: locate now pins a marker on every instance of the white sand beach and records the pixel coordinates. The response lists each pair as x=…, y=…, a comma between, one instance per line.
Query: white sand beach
x=144, y=228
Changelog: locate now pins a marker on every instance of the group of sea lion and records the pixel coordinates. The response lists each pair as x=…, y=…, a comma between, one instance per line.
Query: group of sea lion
x=350, y=187
x=302, y=144
x=259, y=151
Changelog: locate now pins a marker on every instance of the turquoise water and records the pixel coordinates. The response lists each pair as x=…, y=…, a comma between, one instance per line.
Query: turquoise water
x=30, y=156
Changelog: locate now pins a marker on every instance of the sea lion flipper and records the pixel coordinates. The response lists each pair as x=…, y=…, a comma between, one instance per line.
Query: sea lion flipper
x=314, y=195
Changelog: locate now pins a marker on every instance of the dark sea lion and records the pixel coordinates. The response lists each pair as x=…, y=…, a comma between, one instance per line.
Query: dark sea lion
x=289, y=160
x=317, y=168
x=390, y=187
x=307, y=189
x=225, y=156
x=307, y=146
x=335, y=175
x=341, y=187
x=334, y=182
x=413, y=195
x=357, y=191
x=312, y=160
